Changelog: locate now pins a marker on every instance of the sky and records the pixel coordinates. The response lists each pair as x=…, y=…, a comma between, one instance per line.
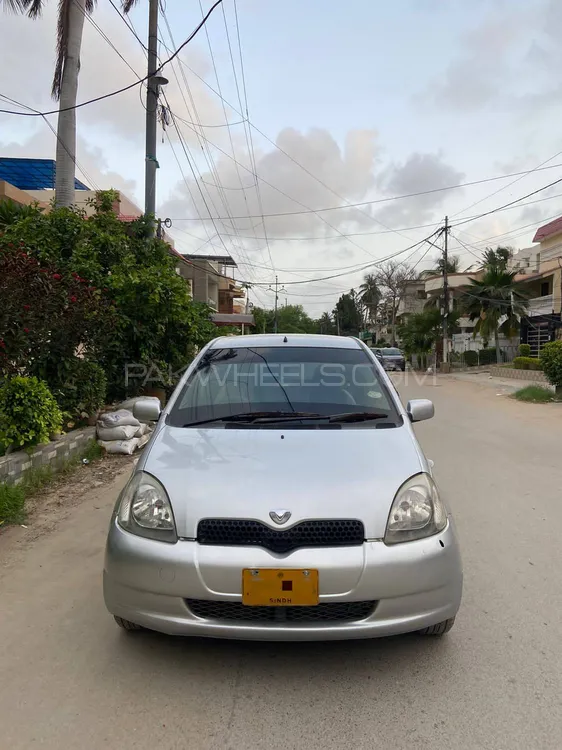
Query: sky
x=329, y=104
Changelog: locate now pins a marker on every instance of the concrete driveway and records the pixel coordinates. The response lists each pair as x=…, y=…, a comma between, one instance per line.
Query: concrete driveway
x=71, y=679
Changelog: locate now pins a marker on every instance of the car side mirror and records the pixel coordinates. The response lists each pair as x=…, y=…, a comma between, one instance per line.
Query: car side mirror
x=420, y=409
x=147, y=410
x=378, y=355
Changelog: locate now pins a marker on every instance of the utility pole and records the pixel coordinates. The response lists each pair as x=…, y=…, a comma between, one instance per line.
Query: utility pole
x=276, y=317
x=446, y=294
x=153, y=84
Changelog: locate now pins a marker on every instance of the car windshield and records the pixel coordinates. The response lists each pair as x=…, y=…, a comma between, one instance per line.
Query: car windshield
x=391, y=352
x=279, y=382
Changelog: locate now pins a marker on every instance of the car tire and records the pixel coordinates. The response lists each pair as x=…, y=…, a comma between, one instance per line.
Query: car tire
x=440, y=629
x=126, y=624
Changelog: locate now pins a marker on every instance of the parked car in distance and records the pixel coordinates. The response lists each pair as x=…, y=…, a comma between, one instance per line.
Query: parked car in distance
x=283, y=496
x=390, y=357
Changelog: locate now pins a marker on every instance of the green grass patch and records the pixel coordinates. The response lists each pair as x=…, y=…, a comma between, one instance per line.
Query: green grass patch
x=13, y=497
x=535, y=394
x=12, y=500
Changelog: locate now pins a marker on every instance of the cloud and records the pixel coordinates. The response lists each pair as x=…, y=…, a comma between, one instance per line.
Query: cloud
x=285, y=187
x=420, y=172
x=102, y=70
x=508, y=61
x=92, y=165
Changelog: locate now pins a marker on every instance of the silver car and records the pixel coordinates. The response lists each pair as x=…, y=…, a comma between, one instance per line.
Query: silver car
x=283, y=496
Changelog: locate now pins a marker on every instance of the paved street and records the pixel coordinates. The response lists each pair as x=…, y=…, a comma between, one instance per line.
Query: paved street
x=69, y=678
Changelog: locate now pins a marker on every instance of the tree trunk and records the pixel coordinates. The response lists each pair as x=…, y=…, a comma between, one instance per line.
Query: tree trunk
x=66, y=130
x=498, y=351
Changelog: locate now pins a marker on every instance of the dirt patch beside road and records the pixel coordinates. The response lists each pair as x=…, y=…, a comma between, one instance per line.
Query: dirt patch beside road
x=50, y=506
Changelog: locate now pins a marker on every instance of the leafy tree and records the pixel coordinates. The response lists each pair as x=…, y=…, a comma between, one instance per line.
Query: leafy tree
x=10, y=212
x=291, y=319
x=496, y=302
x=71, y=15
x=263, y=320
x=421, y=331
x=325, y=324
x=47, y=313
x=347, y=314
x=154, y=321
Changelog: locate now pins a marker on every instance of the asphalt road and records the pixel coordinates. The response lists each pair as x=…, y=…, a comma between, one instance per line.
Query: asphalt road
x=69, y=678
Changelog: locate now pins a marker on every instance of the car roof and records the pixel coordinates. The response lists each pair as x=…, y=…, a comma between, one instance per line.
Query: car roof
x=286, y=339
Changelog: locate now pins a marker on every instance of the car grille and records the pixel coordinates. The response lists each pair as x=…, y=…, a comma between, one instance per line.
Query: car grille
x=239, y=532
x=323, y=612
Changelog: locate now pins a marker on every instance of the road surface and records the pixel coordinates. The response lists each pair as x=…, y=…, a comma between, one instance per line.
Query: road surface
x=69, y=678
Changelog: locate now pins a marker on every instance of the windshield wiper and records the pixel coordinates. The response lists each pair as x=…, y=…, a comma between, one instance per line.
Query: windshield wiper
x=358, y=416
x=253, y=416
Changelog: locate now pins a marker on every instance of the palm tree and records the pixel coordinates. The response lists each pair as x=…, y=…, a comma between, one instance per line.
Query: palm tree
x=370, y=295
x=496, y=303
x=453, y=266
x=497, y=258
x=64, y=89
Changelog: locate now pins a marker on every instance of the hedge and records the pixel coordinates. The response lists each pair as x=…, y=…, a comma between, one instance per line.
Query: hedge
x=527, y=363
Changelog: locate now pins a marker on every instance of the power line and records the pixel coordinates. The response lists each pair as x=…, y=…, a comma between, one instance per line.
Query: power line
x=507, y=205
x=124, y=88
x=523, y=173
x=247, y=130
x=131, y=28
x=367, y=265
x=519, y=177
x=81, y=169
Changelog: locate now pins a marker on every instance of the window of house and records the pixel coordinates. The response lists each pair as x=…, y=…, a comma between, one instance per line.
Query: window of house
x=421, y=294
x=545, y=288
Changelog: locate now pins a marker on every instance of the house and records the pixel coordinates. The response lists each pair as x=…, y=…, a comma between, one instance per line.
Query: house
x=463, y=338
x=412, y=301
x=27, y=181
x=540, y=272
x=212, y=284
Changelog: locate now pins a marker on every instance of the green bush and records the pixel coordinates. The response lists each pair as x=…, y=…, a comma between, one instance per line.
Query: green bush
x=524, y=350
x=487, y=356
x=471, y=358
x=527, y=363
x=83, y=388
x=551, y=362
x=534, y=394
x=12, y=499
x=28, y=413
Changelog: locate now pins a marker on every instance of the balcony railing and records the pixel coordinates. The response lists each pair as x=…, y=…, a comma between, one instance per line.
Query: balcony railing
x=541, y=305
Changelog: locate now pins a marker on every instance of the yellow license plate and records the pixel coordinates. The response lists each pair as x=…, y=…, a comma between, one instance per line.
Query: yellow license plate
x=274, y=587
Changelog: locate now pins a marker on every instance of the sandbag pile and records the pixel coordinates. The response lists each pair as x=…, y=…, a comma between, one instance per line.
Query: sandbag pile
x=121, y=432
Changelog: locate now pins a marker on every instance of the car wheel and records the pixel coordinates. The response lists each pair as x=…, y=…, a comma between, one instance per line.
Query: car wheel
x=440, y=629
x=126, y=624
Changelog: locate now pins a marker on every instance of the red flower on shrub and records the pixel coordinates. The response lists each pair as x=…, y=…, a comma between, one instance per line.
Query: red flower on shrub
x=57, y=276
x=2, y=344
x=26, y=330
x=27, y=307
x=73, y=299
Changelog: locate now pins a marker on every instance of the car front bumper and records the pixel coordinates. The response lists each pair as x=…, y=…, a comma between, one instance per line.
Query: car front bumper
x=412, y=585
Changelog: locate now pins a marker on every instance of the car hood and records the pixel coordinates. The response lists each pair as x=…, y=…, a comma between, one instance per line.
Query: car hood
x=246, y=473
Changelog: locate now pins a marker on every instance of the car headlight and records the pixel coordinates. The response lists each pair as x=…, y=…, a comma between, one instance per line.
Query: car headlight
x=417, y=511
x=145, y=510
